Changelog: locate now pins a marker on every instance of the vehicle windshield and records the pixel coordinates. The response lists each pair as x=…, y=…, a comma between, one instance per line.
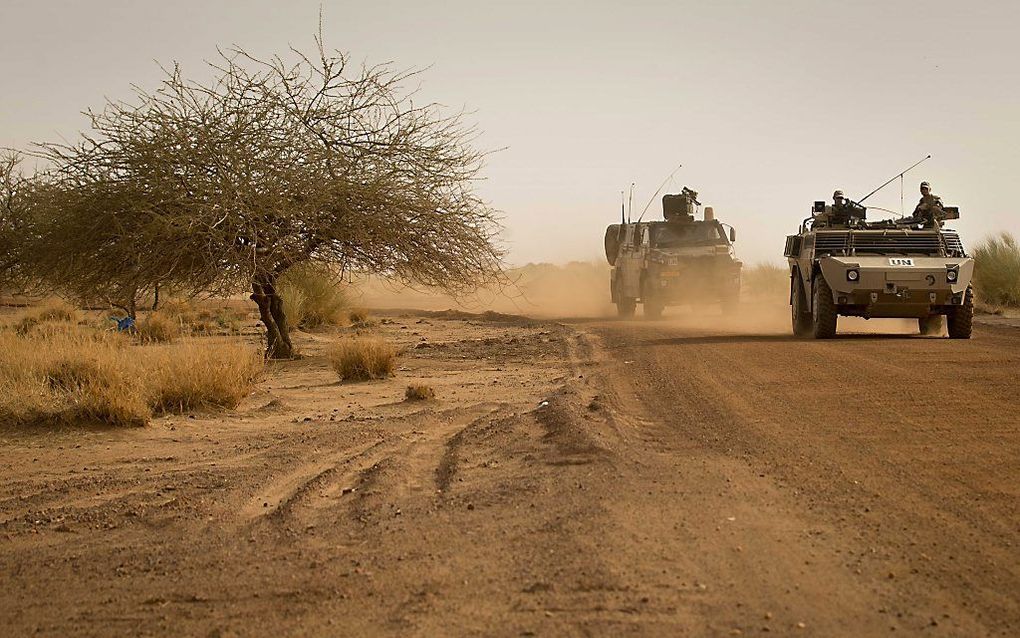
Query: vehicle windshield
x=678, y=235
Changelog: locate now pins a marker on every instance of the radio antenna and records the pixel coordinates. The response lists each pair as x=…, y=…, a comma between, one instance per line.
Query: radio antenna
x=666, y=181
x=900, y=175
x=630, y=207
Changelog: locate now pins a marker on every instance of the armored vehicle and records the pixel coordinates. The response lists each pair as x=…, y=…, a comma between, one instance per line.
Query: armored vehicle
x=681, y=260
x=842, y=264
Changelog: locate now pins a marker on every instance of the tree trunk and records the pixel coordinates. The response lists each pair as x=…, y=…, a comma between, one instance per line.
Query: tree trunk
x=270, y=304
x=155, y=298
x=130, y=306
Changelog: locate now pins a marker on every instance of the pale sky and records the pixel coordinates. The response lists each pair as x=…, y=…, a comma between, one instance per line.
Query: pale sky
x=768, y=105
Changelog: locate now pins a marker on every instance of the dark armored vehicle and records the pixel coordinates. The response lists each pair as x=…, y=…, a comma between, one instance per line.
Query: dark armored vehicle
x=681, y=260
x=842, y=264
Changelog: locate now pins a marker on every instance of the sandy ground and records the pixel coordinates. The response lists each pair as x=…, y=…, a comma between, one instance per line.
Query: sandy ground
x=694, y=476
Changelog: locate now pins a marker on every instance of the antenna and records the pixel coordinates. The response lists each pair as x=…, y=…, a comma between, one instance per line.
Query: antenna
x=666, y=181
x=623, y=214
x=630, y=208
x=900, y=175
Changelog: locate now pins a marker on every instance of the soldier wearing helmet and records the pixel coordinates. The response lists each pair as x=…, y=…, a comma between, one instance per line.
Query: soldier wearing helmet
x=831, y=214
x=929, y=210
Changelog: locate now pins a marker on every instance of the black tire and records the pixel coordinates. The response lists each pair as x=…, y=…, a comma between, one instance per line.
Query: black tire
x=823, y=310
x=798, y=302
x=652, y=309
x=961, y=318
x=625, y=308
x=930, y=326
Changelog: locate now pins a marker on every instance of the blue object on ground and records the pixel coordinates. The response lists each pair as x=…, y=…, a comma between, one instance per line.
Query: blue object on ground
x=125, y=324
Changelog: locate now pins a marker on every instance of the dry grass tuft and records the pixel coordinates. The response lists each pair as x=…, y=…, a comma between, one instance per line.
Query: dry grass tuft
x=766, y=280
x=358, y=316
x=56, y=311
x=311, y=297
x=997, y=271
x=293, y=303
x=176, y=307
x=363, y=358
x=158, y=328
x=204, y=320
x=419, y=392
x=98, y=377
x=66, y=378
x=192, y=375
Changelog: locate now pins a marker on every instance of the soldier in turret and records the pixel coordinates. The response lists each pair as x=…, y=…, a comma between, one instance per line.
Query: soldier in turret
x=828, y=216
x=929, y=210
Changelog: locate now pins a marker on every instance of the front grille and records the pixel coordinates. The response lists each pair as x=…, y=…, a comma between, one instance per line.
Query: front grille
x=954, y=247
x=831, y=243
x=896, y=242
x=792, y=246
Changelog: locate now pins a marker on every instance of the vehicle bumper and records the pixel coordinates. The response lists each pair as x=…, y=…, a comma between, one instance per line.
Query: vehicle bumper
x=887, y=287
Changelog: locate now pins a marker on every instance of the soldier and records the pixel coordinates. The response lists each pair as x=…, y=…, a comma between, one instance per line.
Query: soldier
x=827, y=217
x=929, y=209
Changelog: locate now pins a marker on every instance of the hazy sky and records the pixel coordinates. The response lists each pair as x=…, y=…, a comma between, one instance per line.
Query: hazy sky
x=768, y=105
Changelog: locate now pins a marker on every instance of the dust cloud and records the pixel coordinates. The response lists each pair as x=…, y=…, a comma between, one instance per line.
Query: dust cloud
x=575, y=290
x=580, y=290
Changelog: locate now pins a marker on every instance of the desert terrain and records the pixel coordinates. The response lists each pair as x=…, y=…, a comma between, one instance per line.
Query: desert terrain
x=691, y=476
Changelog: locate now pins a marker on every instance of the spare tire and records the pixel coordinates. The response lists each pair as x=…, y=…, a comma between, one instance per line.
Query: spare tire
x=614, y=237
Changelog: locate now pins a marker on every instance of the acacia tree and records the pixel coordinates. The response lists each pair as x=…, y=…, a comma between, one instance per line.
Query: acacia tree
x=12, y=197
x=214, y=186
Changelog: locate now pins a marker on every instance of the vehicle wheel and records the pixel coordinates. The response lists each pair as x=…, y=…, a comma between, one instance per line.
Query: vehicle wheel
x=801, y=318
x=930, y=326
x=625, y=308
x=961, y=318
x=823, y=310
x=653, y=309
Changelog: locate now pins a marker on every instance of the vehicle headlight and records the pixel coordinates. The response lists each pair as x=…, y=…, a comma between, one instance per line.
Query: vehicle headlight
x=853, y=275
x=952, y=275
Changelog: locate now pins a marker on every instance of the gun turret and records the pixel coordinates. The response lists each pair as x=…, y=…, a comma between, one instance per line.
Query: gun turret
x=680, y=207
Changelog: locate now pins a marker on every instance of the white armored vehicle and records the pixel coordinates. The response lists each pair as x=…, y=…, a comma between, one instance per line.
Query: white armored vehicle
x=842, y=264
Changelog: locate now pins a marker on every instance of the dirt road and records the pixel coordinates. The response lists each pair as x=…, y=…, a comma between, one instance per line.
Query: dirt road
x=684, y=477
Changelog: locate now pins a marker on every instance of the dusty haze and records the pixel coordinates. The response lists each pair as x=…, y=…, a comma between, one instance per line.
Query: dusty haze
x=768, y=105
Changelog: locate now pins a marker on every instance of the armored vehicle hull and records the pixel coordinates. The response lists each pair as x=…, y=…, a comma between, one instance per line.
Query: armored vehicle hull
x=873, y=273
x=682, y=261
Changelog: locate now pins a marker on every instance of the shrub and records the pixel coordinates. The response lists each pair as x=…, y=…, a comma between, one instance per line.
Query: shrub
x=997, y=270
x=99, y=377
x=64, y=378
x=203, y=320
x=419, y=392
x=311, y=297
x=176, y=308
x=766, y=280
x=293, y=303
x=158, y=328
x=201, y=326
x=53, y=311
x=358, y=316
x=192, y=375
x=362, y=358
x=324, y=301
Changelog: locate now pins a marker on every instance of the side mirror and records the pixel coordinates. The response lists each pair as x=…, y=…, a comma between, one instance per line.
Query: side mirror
x=733, y=234
x=819, y=207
